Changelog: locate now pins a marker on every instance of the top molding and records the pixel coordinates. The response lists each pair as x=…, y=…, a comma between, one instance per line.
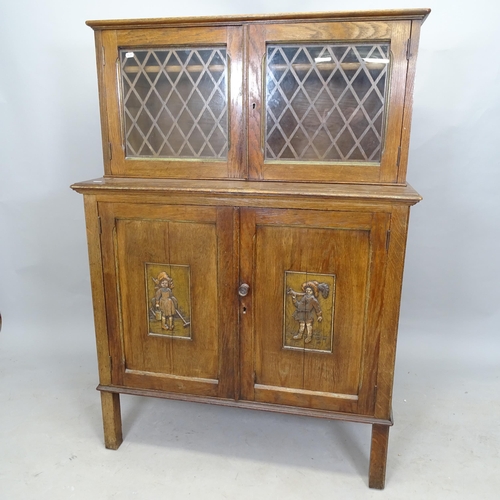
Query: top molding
x=368, y=15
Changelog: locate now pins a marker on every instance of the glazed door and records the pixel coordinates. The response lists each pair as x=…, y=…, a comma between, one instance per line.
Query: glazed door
x=310, y=322
x=170, y=294
x=327, y=100
x=177, y=108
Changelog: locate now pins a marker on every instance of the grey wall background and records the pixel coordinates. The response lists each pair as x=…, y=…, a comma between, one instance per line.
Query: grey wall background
x=50, y=138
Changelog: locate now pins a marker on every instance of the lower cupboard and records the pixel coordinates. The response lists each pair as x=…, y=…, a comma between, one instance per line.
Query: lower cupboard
x=249, y=298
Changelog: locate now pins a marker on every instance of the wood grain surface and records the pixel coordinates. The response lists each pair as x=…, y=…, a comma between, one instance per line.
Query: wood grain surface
x=279, y=228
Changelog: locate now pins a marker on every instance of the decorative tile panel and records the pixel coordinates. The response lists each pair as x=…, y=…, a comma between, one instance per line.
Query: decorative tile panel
x=169, y=300
x=308, y=311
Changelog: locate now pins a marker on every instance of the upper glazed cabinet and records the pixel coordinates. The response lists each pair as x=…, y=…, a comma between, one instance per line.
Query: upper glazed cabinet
x=312, y=99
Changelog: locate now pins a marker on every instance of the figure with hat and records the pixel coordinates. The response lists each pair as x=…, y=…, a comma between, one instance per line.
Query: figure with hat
x=164, y=303
x=307, y=306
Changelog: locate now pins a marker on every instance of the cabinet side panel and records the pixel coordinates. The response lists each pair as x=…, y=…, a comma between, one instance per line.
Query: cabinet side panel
x=97, y=283
x=111, y=290
x=100, y=60
x=392, y=302
x=375, y=306
x=399, y=41
x=109, y=98
x=408, y=106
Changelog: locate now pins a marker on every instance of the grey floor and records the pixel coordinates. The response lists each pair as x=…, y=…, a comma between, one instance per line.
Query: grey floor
x=445, y=443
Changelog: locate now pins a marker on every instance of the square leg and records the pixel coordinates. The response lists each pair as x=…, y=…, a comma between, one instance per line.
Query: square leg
x=378, y=456
x=112, y=420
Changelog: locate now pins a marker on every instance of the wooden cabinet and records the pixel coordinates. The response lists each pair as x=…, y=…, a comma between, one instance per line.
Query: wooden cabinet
x=247, y=240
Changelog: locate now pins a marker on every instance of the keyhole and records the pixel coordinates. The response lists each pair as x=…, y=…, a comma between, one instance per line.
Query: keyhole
x=253, y=106
x=244, y=310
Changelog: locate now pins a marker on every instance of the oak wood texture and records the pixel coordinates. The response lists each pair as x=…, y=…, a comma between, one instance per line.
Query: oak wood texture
x=97, y=284
x=248, y=405
x=408, y=99
x=378, y=456
x=360, y=240
x=245, y=38
x=316, y=242
x=388, y=14
x=240, y=191
x=198, y=237
x=256, y=222
x=112, y=421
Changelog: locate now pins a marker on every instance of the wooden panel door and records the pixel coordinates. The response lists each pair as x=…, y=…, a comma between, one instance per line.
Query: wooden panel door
x=170, y=293
x=311, y=325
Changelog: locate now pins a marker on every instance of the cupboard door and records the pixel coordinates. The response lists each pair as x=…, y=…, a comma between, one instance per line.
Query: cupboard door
x=176, y=110
x=169, y=286
x=311, y=325
x=327, y=100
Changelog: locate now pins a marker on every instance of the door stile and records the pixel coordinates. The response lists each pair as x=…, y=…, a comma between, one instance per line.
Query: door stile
x=246, y=314
x=256, y=103
x=237, y=157
x=227, y=262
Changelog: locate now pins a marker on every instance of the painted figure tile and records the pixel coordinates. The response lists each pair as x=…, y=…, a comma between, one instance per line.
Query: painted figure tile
x=309, y=311
x=169, y=301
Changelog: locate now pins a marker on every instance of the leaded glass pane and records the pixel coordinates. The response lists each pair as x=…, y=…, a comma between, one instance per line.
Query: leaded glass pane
x=175, y=102
x=326, y=102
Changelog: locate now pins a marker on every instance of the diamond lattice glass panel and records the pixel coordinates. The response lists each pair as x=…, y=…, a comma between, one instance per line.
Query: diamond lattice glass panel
x=326, y=102
x=175, y=102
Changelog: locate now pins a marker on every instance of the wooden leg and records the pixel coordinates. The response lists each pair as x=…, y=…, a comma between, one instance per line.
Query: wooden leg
x=378, y=456
x=112, y=420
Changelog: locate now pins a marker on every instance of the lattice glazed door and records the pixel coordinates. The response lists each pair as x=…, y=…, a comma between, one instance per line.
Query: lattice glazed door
x=326, y=109
x=177, y=110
